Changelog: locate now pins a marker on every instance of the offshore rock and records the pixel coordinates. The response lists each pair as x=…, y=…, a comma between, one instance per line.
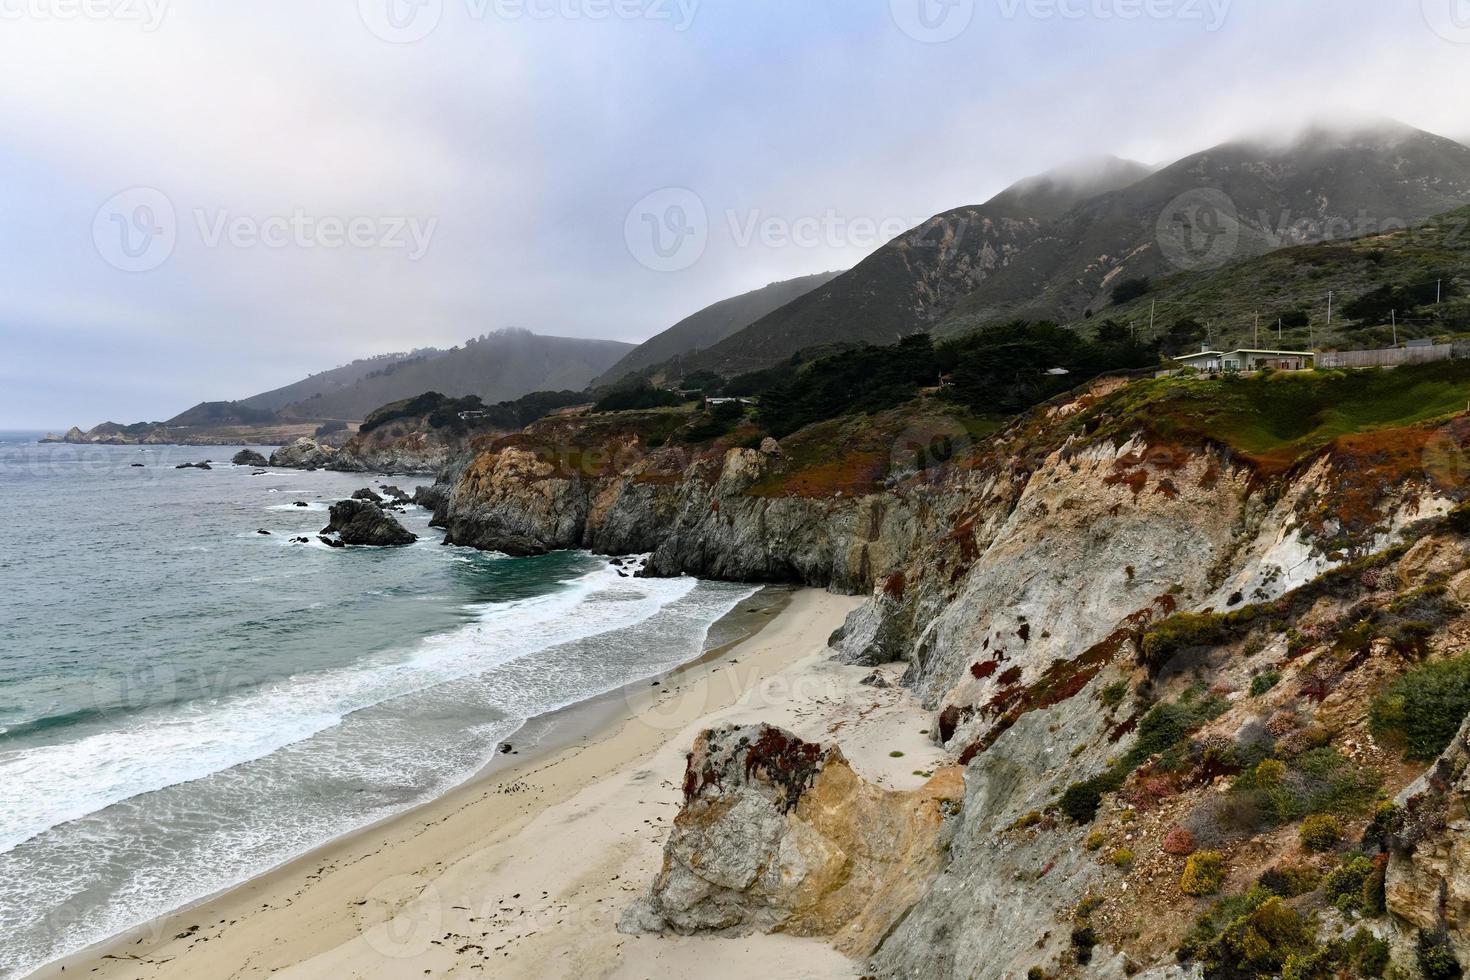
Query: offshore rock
x=303, y=454
x=362, y=522
x=249, y=457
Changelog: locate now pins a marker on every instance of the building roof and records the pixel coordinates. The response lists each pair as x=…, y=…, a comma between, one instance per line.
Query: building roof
x=1246, y=350
x=1288, y=353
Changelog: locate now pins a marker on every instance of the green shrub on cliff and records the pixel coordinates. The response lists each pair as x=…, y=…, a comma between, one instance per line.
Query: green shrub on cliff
x=1164, y=731
x=1321, y=832
x=1437, y=957
x=1259, y=935
x=1421, y=711
x=1185, y=630
x=1353, y=885
x=1204, y=873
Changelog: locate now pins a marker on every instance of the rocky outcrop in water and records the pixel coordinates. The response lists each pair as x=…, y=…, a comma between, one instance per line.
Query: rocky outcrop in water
x=362, y=522
x=303, y=454
x=249, y=457
x=778, y=834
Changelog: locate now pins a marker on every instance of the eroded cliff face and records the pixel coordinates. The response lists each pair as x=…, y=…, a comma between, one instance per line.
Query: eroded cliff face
x=1112, y=628
x=722, y=512
x=1428, y=882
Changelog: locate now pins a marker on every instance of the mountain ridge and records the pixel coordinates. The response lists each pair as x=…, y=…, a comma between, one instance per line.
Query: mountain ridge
x=713, y=324
x=499, y=366
x=1046, y=248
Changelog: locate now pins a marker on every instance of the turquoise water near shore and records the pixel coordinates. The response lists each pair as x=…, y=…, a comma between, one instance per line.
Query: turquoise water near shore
x=185, y=702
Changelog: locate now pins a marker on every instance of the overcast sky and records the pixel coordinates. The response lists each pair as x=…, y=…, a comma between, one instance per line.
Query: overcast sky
x=207, y=199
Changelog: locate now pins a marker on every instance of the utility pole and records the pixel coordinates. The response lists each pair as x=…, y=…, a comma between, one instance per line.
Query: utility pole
x=1151, y=307
x=1329, y=310
x=1393, y=316
x=1257, y=340
x=1278, y=330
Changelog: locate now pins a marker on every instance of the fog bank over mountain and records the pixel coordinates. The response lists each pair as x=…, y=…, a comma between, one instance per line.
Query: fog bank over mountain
x=317, y=192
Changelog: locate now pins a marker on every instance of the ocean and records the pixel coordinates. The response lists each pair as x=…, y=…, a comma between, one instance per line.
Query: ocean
x=186, y=703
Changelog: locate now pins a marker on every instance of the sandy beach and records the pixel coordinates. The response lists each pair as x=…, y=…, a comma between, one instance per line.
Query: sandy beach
x=524, y=871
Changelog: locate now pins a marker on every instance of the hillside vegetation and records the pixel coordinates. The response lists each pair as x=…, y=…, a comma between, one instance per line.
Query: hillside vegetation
x=1056, y=250
x=1276, y=419
x=1373, y=280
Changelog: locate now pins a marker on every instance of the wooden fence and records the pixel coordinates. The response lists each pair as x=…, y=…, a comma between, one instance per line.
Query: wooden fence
x=1387, y=357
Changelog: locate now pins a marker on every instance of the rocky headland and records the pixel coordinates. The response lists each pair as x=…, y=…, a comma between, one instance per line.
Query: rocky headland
x=1155, y=624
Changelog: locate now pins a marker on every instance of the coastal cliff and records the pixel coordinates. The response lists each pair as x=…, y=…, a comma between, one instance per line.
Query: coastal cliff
x=1153, y=621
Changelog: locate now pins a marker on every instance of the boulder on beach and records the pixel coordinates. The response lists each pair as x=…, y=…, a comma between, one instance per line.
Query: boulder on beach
x=194, y=466
x=303, y=454
x=249, y=457
x=395, y=494
x=330, y=542
x=363, y=522
x=366, y=493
